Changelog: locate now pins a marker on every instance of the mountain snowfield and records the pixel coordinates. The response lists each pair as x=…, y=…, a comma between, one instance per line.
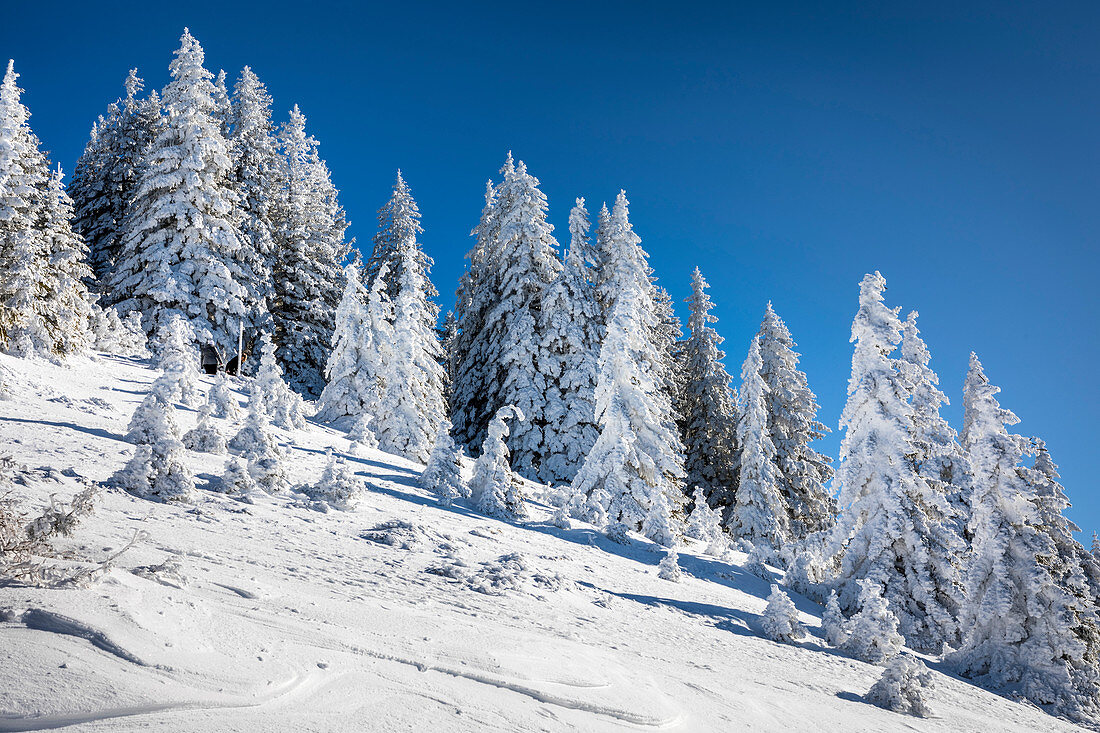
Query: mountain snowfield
x=269, y=614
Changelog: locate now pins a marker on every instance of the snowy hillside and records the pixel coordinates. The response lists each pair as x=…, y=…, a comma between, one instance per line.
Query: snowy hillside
x=400, y=615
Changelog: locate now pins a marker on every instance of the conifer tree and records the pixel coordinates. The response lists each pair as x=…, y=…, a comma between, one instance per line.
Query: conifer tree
x=310, y=251
x=758, y=514
x=442, y=473
x=634, y=473
x=1021, y=624
x=181, y=251
x=258, y=177
x=412, y=405
x=65, y=304
x=347, y=374
x=156, y=470
x=708, y=416
x=398, y=229
x=494, y=488
x=781, y=622
x=899, y=529
x=793, y=424
x=939, y=458
x=872, y=633
x=569, y=318
x=24, y=172
x=275, y=398
x=106, y=177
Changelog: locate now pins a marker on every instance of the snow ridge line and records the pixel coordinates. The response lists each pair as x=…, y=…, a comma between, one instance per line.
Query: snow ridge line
x=623, y=716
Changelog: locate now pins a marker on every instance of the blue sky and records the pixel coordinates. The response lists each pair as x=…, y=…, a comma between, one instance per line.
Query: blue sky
x=783, y=148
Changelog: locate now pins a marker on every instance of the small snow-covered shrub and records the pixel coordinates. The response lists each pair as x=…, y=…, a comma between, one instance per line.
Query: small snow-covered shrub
x=221, y=399
x=283, y=406
x=254, y=437
x=833, y=622
x=903, y=687
x=873, y=632
x=442, y=474
x=494, y=489
x=618, y=532
x=754, y=564
x=338, y=486
x=781, y=618
x=669, y=568
x=205, y=436
x=560, y=518
x=235, y=478
x=179, y=363
x=156, y=471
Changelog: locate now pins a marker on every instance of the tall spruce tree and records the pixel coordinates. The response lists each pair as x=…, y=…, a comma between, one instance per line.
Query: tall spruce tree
x=64, y=303
x=759, y=513
x=793, y=424
x=1025, y=631
x=898, y=528
x=347, y=389
x=570, y=349
x=106, y=176
x=181, y=250
x=634, y=473
x=307, y=270
x=708, y=415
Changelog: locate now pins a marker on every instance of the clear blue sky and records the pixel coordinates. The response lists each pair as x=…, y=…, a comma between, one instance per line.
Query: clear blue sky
x=785, y=149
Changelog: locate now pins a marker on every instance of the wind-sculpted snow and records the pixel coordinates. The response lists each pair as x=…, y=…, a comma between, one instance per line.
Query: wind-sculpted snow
x=255, y=612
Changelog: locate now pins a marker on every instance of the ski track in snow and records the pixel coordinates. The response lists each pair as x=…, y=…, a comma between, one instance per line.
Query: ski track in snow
x=269, y=615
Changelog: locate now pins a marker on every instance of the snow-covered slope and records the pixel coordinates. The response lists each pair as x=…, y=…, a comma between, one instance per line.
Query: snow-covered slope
x=400, y=615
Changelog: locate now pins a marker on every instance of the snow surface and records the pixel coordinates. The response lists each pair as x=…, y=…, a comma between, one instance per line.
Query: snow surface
x=399, y=615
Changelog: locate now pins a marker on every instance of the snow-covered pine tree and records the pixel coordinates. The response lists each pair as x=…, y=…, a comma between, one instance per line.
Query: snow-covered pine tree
x=833, y=623
x=758, y=513
x=280, y=404
x=310, y=251
x=939, y=458
x=470, y=405
x=156, y=470
x=24, y=172
x=398, y=227
x=222, y=109
x=873, y=631
x=361, y=435
x=601, y=272
x=1019, y=623
x=255, y=443
x=899, y=530
x=634, y=473
x=569, y=323
x=494, y=488
x=181, y=250
x=178, y=359
x=669, y=567
x=902, y=687
x=412, y=406
x=337, y=486
x=112, y=335
x=442, y=474
x=378, y=352
x=349, y=371
x=708, y=415
x=666, y=338
x=258, y=176
x=106, y=176
x=235, y=478
x=65, y=305
x=205, y=436
x=705, y=525
x=527, y=259
x=780, y=620
x=222, y=401
x=793, y=424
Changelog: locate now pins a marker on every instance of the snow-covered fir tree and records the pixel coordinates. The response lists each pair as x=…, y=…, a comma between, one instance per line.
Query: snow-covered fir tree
x=780, y=620
x=258, y=176
x=279, y=403
x=634, y=473
x=106, y=177
x=705, y=525
x=669, y=567
x=412, y=406
x=758, y=514
x=181, y=250
x=902, y=687
x=398, y=230
x=178, y=359
x=349, y=372
x=307, y=270
x=602, y=255
x=156, y=470
x=337, y=486
x=113, y=335
x=205, y=436
x=361, y=435
x=899, y=529
x=65, y=305
x=833, y=623
x=222, y=401
x=235, y=478
x=939, y=458
x=569, y=324
x=793, y=424
x=468, y=357
x=24, y=172
x=495, y=489
x=873, y=631
x=708, y=414
x=442, y=474
x=666, y=339
x=1020, y=624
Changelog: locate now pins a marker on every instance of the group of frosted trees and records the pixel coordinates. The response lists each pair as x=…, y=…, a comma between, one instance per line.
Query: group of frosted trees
x=193, y=204
x=192, y=216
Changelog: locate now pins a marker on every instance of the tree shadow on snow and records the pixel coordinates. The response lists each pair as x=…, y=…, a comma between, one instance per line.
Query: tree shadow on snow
x=98, y=432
